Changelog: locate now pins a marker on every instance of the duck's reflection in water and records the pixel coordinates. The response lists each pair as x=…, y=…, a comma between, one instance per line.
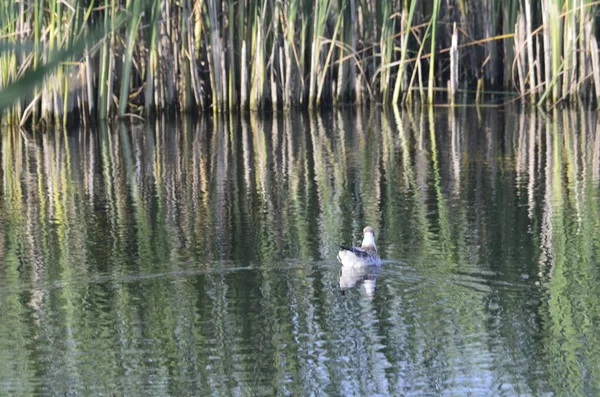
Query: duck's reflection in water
x=366, y=275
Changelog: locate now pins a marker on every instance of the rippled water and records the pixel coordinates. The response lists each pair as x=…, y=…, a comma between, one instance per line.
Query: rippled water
x=186, y=257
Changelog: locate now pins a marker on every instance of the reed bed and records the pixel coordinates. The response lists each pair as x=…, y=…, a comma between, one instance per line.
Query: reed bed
x=119, y=58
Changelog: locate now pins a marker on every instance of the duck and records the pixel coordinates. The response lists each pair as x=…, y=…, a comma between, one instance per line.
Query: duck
x=365, y=255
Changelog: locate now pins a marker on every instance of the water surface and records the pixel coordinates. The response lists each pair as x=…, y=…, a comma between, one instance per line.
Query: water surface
x=183, y=257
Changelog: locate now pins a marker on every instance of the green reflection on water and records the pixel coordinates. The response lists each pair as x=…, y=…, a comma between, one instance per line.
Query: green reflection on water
x=198, y=257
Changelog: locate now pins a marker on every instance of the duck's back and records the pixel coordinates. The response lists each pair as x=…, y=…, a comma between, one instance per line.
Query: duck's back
x=356, y=257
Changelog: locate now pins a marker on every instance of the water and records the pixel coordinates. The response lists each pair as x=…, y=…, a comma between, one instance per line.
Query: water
x=189, y=257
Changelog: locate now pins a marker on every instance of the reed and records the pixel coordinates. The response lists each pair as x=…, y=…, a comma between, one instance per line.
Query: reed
x=387, y=48
x=405, y=29
x=434, y=28
x=226, y=55
x=135, y=10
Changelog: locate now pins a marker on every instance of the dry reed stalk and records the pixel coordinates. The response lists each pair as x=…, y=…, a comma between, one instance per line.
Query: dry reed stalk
x=519, y=45
x=568, y=55
x=216, y=49
x=547, y=48
x=184, y=99
x=232, y=93
x=276, y=58
x=556, y=45
x=453, y=83
x=405, y=29
x=387, y=49
x=332, y=46
x=431, y=82
x=509, y=20
x=317, y=71
x=358, y=33
x=346, y=70
x=401, y=75
x=244, y=77
x=539, y=62
x=585, y=57
x=529, y=35
x=89, y=86
x=595, y=68
x=259, y=70
x=128, y=59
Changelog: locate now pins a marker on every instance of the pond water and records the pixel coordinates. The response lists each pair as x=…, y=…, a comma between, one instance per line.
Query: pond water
x=198, y=257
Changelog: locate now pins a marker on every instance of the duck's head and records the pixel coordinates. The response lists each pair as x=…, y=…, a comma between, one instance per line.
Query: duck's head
x=369, y=238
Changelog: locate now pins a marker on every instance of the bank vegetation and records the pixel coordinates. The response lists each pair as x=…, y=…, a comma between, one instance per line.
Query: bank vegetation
x=107, y=58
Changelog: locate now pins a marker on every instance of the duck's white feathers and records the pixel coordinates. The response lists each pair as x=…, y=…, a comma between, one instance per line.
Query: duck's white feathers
x=364, y=255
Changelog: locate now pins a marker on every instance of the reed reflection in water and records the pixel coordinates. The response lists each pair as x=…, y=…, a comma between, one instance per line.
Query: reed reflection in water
x=198, y=257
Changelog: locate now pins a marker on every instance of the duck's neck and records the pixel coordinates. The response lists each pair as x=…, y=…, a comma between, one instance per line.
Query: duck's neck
x=369, y=241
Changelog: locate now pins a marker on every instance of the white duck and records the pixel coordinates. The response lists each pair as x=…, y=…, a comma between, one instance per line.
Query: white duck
x=364, y=255
x=360, y=264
